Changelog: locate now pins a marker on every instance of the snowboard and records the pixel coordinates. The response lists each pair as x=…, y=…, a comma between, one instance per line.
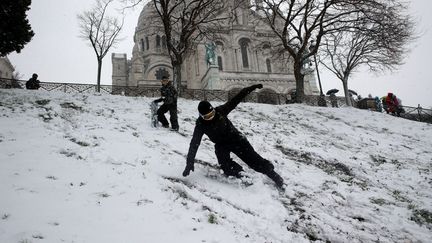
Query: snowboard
x=153, y=114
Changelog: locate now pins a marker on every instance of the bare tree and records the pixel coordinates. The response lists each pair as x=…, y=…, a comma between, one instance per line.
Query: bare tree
x=188, y=22
x=16, y=75
x=378, y=42
x=298, y=22
x=101, y=30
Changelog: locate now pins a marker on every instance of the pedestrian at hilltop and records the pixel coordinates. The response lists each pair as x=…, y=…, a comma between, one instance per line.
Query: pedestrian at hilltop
x=169, y=99
x=353, y=101
x=392, y=103
x=333, y=100
x=378, y=104
x=33, y=82
x=384, y=104
x=214, y=123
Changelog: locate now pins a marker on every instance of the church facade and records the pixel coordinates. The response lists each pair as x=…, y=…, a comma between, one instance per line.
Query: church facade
x=242, y=54
x=6, y=68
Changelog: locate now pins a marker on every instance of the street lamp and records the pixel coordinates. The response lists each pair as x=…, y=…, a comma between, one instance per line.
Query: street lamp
x=321, y=99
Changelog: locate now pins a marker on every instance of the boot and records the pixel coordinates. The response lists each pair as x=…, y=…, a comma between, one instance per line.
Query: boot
x=232, y=169
x=276, y=178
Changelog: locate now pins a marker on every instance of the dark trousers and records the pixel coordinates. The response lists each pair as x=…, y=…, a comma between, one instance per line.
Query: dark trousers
x=164, y=108
x=245, y=152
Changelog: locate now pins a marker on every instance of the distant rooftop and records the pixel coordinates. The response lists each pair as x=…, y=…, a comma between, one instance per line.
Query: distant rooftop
x=119, y=55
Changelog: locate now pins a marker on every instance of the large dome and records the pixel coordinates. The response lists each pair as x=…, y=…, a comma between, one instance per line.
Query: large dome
x=148, y=17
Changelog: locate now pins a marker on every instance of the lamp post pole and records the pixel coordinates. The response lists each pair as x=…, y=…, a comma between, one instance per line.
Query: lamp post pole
x=321, y=99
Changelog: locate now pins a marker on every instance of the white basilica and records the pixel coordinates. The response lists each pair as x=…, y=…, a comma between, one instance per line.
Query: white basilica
x=243, y=56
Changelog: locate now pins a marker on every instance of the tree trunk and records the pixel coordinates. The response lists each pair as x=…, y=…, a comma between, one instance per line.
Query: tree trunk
x=99, y=75
x=299, y=77
x=346, y=91
x=177, y=77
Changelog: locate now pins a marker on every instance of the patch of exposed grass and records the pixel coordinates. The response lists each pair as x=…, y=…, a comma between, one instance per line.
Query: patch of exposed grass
x=46, y=117
x=70, y=105
x=399, y=197
x=379, y=201
x=212, y=219
x=378, y=159
x=52, y=177
x=81, y=143
x=42, y=102
x=422, y=217
x=104, y=194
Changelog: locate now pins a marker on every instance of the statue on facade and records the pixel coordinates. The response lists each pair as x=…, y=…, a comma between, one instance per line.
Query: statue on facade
x=210, y=53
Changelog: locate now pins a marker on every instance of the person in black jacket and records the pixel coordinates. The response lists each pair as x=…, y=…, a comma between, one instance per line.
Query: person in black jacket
x=33, y=82
x=169, y=98
x=215, y=124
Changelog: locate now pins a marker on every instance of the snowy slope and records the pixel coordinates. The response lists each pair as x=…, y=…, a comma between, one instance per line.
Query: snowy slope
x=89, y=168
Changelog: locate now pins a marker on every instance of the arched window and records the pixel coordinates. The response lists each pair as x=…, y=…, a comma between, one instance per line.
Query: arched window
x=142, y=45
x=147, y=43
x=244, y=46
x=220, y=64
x=158, y=41
x=268, y=64
x=219, y=45
x=164, y=43
x=161, y=72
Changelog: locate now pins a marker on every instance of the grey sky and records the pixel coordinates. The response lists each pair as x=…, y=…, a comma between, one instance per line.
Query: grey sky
x=57, y=54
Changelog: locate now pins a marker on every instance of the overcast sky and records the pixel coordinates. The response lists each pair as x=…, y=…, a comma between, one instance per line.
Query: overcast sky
x=57, y=53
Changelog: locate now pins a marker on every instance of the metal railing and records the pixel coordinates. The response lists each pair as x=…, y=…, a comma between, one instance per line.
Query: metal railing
x=84, y=88
x=148, y=91
x=417, y=113
x=412, y=113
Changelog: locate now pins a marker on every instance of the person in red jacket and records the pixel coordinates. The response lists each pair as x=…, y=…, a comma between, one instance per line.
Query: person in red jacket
x=214, y=122
x=392, y=104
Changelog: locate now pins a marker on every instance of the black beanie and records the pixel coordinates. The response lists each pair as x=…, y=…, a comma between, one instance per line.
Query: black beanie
x=204, y=107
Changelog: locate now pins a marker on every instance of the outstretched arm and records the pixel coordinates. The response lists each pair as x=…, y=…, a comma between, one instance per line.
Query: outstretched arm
x=193, y=148
x=226, y=108
x=158, y=100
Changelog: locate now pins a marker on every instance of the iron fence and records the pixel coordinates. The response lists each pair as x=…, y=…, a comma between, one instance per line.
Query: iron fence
x=148, y=91
x=417, y=114
x=412, y=113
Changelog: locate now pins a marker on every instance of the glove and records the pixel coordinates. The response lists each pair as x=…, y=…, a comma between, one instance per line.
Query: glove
x=257, y=86
x=188, y=169
x=158, y=100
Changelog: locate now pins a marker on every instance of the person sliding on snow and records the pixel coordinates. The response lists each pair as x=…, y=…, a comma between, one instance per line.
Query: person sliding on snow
x=215, y=124
x=169, y=98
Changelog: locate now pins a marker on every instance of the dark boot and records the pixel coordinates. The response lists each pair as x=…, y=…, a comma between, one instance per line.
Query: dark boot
x=232, y=169
x=276, y=178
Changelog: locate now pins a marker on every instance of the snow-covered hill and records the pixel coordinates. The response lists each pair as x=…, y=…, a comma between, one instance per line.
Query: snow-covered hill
x=89, y=168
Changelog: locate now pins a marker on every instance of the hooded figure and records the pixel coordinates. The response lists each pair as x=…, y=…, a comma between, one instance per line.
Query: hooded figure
x=214, y=123
x=378, y=104
x=392, y=103
x=33, y=82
